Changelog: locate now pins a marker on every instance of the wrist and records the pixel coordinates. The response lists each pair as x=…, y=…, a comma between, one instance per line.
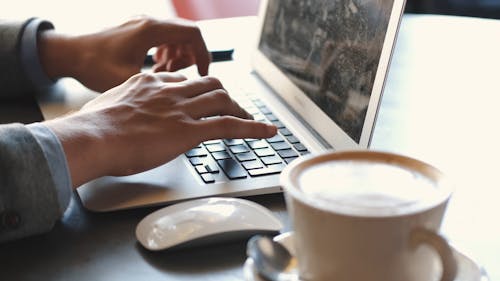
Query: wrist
x=83, y=146
x=58, y=54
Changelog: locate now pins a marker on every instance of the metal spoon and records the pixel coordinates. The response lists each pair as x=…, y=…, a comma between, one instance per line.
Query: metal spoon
x=271, y=259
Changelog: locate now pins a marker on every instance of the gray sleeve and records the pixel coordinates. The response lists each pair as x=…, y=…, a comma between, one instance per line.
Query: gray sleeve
x=29, y=53
x=28, y=199
x=15, y=82
x=54, y=153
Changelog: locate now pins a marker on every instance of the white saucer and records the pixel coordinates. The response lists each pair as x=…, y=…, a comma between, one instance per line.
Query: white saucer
x=468, y=270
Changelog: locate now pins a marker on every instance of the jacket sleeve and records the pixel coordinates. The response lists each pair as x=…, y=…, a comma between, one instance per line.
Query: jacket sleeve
x=14, y=81
x=28, y=199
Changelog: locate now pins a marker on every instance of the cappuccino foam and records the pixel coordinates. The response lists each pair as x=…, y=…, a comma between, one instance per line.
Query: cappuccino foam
x=365, y=188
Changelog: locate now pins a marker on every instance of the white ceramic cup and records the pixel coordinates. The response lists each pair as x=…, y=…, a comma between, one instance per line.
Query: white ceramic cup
x=368, y=216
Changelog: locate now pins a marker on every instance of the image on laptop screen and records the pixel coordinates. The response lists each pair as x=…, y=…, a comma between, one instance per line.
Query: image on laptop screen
x=330, y=49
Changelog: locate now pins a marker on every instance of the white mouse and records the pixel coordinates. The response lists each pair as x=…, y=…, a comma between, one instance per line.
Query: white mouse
x=203, y=221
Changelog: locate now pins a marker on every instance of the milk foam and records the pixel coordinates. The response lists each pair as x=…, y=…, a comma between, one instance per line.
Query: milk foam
x=367, y=188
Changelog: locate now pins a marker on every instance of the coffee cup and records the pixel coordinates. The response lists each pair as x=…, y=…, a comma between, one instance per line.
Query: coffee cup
x=368, y=216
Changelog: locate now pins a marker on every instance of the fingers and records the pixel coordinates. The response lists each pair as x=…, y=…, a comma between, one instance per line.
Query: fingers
x=196, y=87
x=173, y=57
x=214, y=103
x=204, y=97
x=182, y=33
x=179, y=63
x=229, y=127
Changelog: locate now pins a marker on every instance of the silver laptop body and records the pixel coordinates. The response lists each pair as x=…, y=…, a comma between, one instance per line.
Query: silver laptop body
x=319, y=67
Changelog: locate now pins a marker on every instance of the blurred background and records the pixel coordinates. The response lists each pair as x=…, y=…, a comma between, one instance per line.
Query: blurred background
x=474, y=8
x=196, y=9
x=91, y=15
x=201, y=9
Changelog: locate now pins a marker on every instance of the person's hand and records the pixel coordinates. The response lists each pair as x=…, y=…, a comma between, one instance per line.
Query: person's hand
x=106, y=59
x=147, y=121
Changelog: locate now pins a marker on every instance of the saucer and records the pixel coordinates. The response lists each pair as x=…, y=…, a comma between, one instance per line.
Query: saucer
x=468, y=269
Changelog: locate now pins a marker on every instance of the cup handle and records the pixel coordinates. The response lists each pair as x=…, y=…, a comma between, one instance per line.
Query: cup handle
x=421, y=235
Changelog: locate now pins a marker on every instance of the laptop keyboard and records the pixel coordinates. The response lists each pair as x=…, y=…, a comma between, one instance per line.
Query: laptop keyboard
x=243, y=158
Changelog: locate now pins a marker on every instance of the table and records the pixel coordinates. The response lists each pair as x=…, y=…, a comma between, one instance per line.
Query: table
x=440, y=105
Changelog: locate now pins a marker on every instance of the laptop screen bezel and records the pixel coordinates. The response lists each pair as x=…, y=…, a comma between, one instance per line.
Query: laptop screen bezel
x=308, y=110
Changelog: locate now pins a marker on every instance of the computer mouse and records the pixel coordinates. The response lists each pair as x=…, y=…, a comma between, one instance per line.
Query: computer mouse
x=205, y=221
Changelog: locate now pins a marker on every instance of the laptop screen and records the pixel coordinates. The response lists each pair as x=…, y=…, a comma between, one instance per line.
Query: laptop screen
x=330, y=49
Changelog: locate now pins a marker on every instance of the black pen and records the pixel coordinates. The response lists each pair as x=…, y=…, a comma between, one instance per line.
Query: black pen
x=217, y=55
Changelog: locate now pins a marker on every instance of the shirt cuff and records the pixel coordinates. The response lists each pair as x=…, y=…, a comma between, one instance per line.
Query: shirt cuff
x=56, y=159
x=29, y=52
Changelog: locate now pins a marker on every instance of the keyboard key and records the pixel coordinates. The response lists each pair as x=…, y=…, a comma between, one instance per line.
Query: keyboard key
x=259, y=117
x=232, y=169
x=233, y=141
x=258, y=144
x=305, y=152
x=201, y=169
x=252, y=97
x=221, y=155
x=269, y=160
x=276, y=138
x=271, y=117
x=271, y=169
x=285, y=132
x=278, y=124
x=197, y=160
x=264, y=152
x=252, y=110
x=211, y=142
x=208, y=178
x=239, y=148
x=280, y=145
x=290, y=159
x=300, y=147
x=196, y=152
x=292, y=139
x=246, y=156
x=258, y=103
x=212, y=168
x=216, y=147
x=250, y=165
x=264, y=109
x=287, y=153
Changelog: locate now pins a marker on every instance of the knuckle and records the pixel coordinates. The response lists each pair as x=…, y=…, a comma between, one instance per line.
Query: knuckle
x=140, y=21
x=145, y=77
x=169, y=92
x=180, y=76
x=193, y=28
x=221, y=96
x=175, y=77
x=145, y=22
x=213, y=81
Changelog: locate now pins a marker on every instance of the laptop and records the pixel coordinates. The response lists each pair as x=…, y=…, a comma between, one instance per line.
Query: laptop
x=318, y=74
